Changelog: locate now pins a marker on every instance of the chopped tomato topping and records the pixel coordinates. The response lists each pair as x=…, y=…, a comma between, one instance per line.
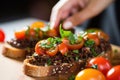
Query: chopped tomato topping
x=63, y=48
x=20, y=34
x=52, y=32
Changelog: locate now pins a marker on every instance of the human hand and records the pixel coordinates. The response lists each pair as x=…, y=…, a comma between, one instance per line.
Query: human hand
x=75, y=12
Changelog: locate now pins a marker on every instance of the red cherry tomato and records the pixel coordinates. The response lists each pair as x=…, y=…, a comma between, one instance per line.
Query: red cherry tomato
x=90, y=74
x=63, y=48
x=103, y=35
x=73, y=46
x=94, y=37
x=103, y=64
x=20, y=34
x=52, y=52
x=2, y=36
x=40, y=50
x=114, y=73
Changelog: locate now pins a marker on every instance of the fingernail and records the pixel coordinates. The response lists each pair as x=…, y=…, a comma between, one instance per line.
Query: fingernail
x=67, y=25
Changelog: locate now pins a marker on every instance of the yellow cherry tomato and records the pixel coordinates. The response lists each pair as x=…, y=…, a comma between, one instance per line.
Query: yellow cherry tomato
x=37, y=24
x=90, y=74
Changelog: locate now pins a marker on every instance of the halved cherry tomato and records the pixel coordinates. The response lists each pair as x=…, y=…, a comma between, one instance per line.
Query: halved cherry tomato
x=103, y=35
x=63, y=48
x=2, y=36
x=114, y=73
x=102, y=64
x=37, y=24
x=52, y=32
x=52, y=52
x=93, y=37
x=20, y=34
x=38, y=49
x=73, y=46
x=90, y=74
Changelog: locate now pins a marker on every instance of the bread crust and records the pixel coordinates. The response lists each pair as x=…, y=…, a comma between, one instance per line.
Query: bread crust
x=12, y=52
x=44, y=72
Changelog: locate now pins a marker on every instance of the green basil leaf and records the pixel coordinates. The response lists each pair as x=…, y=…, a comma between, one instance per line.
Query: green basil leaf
x=64, y=33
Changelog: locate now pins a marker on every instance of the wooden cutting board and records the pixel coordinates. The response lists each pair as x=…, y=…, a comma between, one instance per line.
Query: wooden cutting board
x=11, y=69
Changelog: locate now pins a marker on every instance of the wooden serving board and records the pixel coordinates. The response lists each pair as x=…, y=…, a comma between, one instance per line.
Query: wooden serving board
x=11, y=69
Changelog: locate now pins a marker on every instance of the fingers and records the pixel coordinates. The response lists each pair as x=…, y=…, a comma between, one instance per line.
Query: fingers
x=57, y=13
x=61, y=11
x=93, y=8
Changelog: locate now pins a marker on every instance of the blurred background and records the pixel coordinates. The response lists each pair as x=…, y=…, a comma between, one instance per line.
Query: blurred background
x=108, y=20
x=18, y=9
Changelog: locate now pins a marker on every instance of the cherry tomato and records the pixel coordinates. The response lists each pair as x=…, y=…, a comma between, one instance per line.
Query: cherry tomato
x=73, y=46
x=52, y=52
x=20, y=34
x=90, y=74
x=2, y=36
x=99, y=32
x=63, y=48
x=94, y=37
x=52, y=32
x=37, y=24
x=103, y=64
x=114, y=73
x=103, y=35
x=38, y=49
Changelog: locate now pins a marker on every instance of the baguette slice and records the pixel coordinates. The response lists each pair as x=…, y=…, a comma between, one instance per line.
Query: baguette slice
x=13, y=52
x=61, y=72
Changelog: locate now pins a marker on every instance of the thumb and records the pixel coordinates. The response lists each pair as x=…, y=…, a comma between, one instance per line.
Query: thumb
x=93, y=8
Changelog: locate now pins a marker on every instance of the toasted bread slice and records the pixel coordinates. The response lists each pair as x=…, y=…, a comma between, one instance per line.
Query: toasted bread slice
x=57, y=72
x=13, y=52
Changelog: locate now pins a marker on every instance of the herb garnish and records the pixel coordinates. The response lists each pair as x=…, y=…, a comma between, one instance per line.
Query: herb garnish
x=93, y=52
x=91, y=30
x=27, y=31
x=37, y=30
x=89, y=43
x=64, y=33
x=73, y=38
x=76, y=51
x=95, y=66
x=50, y=42
x=72, y=77
x=49, y=62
